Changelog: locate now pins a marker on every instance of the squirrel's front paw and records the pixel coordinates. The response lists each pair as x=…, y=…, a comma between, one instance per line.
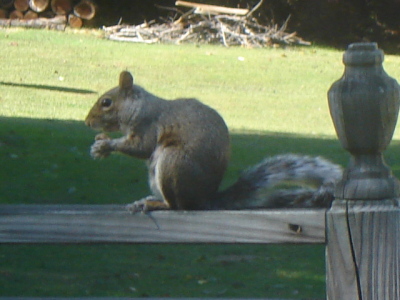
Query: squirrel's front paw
x=101, y=136
x=101, y=148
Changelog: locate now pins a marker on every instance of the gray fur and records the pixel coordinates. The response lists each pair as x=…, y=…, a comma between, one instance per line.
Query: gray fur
x=186, y=145
x=257, y=186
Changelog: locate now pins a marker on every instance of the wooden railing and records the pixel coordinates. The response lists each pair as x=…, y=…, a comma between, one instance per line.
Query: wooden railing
x=361, y=230
x=109, y=223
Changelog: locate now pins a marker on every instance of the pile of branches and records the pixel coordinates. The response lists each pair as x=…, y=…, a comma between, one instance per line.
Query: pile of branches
x=203, y=26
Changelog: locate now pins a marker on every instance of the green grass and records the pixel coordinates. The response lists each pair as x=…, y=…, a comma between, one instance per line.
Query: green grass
x=274, y=101
x=165, y=270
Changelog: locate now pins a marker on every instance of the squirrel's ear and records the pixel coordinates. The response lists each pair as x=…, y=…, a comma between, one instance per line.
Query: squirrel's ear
x=125, y=80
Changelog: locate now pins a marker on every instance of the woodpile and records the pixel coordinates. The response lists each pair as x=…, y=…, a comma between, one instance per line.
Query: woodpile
x=52, y=14
x=208, y=24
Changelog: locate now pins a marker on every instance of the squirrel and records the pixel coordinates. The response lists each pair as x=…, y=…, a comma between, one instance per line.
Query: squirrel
x=187, y=147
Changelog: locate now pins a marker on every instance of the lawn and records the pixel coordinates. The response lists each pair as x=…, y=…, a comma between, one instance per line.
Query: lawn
x=273, y=100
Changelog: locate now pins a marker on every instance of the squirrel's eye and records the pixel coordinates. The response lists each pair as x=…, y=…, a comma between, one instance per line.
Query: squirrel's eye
x=106, y=102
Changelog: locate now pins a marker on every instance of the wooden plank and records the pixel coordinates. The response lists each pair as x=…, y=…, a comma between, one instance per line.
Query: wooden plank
x=112, y=223
x=213, y=9
x=363, y=250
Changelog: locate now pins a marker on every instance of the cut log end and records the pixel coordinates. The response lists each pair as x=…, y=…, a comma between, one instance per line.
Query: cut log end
x=61, y=7
x=85, y=9
x=21, y=5
x=38, y=5
x=16, y=14
x=31, y=15
x=3, y=13
x=74, y=21
x=52, y=14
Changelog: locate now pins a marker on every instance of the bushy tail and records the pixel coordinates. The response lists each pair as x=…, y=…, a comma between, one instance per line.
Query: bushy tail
x=258, y=186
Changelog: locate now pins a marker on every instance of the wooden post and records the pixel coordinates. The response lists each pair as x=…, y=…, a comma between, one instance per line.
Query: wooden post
x=363, y=225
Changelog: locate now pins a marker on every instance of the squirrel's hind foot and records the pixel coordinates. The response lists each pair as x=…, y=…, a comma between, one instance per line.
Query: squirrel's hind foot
x=147, y=204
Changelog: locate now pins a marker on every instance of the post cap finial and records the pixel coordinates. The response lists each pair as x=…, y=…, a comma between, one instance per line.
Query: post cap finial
x=362, y=46
x=359, y=54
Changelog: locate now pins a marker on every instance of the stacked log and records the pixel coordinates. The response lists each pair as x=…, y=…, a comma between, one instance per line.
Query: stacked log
x=3, y=13
x=38, y=5
x=54, y=14
x=16, y=14
x=31, y=15
x=85, y=10
x=21, y=5
x=75, y=21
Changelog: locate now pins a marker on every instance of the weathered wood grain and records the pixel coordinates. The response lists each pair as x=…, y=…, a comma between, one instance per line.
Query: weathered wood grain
x=364, y=106
x=110, y=223
x=57, y=23
x=363, y=250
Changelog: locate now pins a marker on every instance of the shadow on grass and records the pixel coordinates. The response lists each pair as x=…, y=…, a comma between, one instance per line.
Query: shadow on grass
x=47, y=161
x=48, y=87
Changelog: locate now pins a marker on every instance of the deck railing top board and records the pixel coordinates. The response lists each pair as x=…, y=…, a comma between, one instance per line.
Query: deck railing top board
x=111, y=223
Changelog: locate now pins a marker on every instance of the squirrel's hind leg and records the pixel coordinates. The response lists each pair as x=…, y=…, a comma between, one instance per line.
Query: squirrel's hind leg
x=156, y=201
x=146, y=204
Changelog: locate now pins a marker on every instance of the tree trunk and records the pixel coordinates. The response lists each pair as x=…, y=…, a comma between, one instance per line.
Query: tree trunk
x=85, y=10
x=61, y=7
x=38, y=5
x=21, y=5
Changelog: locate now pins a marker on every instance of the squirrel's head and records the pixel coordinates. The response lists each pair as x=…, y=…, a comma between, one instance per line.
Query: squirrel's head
x=105, y=113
